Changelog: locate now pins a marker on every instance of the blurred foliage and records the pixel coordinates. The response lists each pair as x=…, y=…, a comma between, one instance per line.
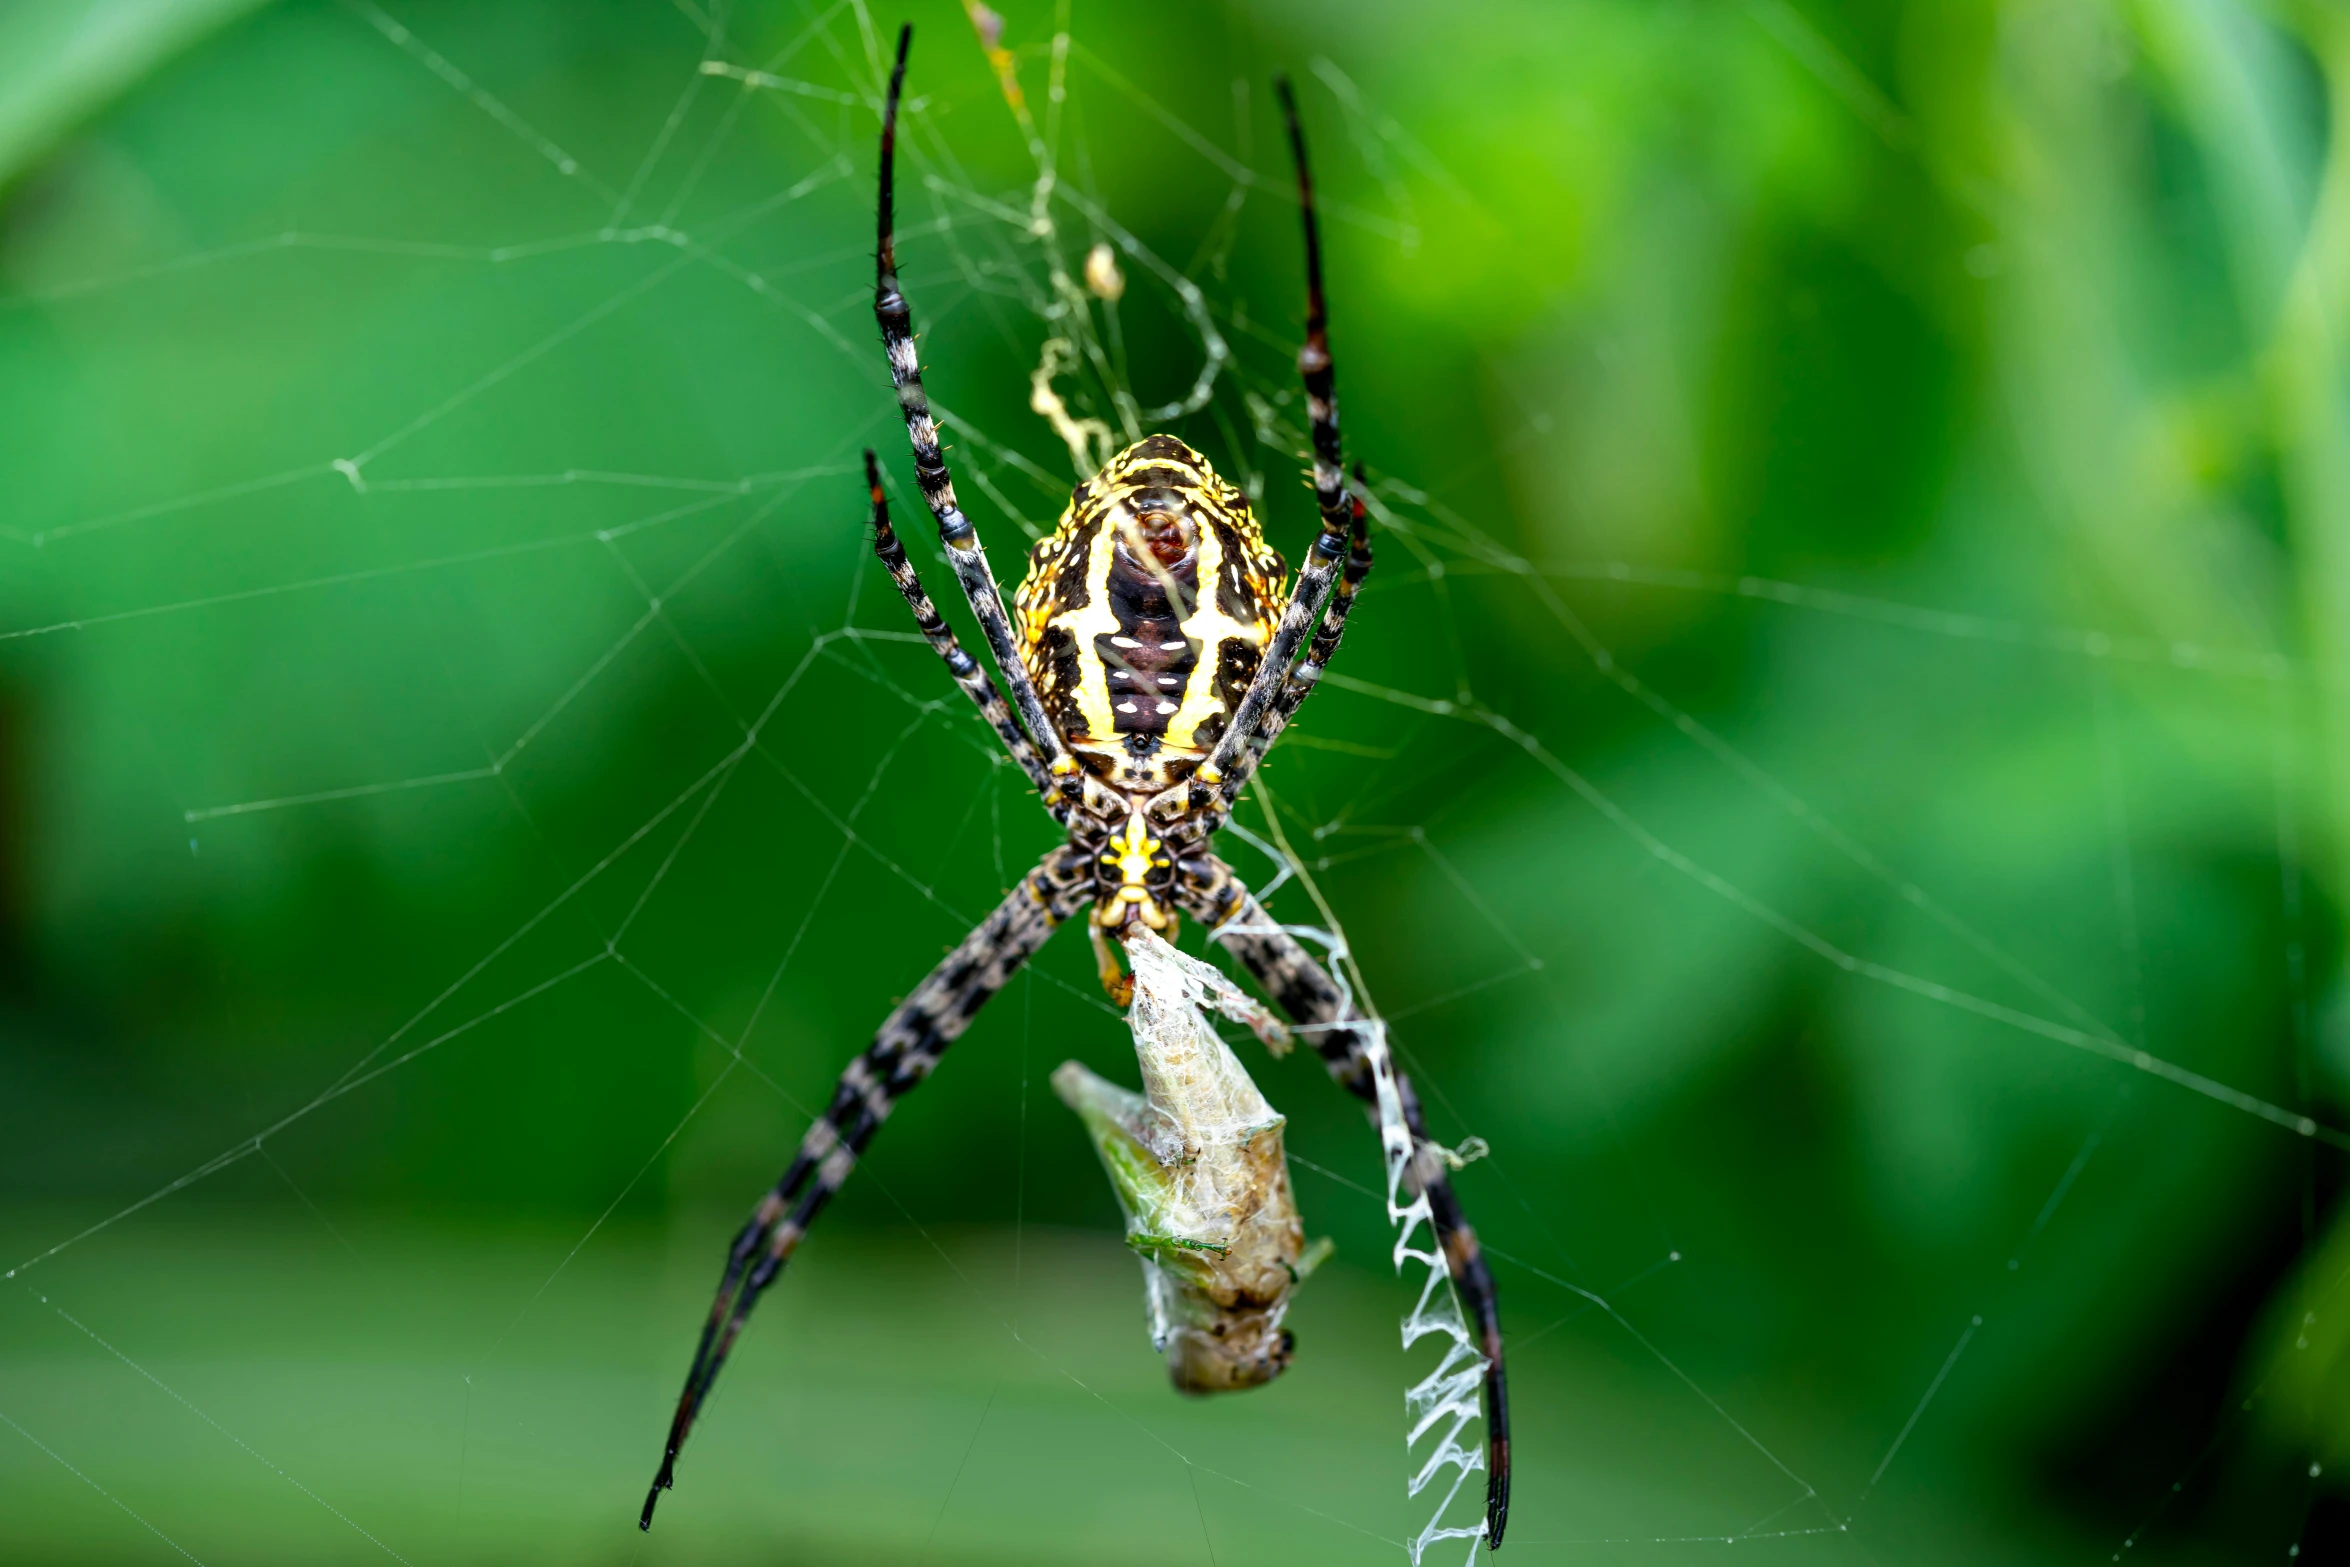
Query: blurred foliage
x=62, y=59
x=1863, y=495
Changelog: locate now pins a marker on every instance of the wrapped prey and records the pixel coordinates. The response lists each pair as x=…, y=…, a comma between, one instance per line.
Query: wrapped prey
x=1196, y=1161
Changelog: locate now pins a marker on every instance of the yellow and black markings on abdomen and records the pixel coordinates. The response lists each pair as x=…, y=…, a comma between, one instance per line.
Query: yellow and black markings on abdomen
x=1144, y=614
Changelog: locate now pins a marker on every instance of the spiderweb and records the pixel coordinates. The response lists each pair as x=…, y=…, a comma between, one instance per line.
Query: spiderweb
x=709, y=768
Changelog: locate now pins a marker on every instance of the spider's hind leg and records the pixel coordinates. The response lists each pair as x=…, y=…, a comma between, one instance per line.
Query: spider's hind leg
x=904, y=1049
x=1322, y=1012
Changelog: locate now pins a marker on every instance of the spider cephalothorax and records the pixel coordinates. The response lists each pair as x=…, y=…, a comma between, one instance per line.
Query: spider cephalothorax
x=1153, y=660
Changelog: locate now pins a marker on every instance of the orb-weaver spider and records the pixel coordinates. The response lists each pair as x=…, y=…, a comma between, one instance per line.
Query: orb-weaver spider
x=1150, y=672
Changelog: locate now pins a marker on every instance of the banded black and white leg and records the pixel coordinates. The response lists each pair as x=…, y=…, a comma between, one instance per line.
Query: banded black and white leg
x=1216, y=782
x=964, y=554
x=941, y=637
x=1302, y=680
x=1322, y=1013
x=1314, y=363
x=1308, y=673
x=904, y=1050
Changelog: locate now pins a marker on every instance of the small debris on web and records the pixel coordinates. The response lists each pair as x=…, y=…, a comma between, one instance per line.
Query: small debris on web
x=1102, y=277
x=1469, y=1152
x=1090, y=441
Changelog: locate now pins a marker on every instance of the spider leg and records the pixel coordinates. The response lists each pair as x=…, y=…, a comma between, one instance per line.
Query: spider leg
x=1313, y=359
x=904, y=1049
x=964, y=553
x=1303, y=989
x=973, y=679
x=1301, y=682
x=1219, y=778
x=1308, y=673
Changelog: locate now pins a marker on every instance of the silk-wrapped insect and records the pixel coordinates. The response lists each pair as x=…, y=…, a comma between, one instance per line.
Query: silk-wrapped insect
x=1197, y=1163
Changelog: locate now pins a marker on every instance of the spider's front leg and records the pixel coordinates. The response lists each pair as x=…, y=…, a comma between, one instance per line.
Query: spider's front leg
x=1313, y=1001
x=1196, y=808
x=964, y=553
x=904, y=1049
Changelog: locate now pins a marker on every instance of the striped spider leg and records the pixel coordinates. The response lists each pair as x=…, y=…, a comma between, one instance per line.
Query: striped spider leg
x=964, y=553
x=1199, y=808
x=909, y=1042
x=904, y=1050
x=1315, y=1003
x=941, y=637
x=1307, y=674
x=1302, y=679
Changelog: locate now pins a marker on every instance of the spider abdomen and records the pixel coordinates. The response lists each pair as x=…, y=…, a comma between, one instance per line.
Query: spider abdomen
x=1144, y=615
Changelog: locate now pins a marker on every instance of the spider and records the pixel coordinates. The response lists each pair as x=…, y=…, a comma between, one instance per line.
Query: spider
x=1152, y=661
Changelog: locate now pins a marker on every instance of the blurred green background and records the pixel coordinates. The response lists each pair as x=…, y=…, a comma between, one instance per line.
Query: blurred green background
x=1834, y=777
